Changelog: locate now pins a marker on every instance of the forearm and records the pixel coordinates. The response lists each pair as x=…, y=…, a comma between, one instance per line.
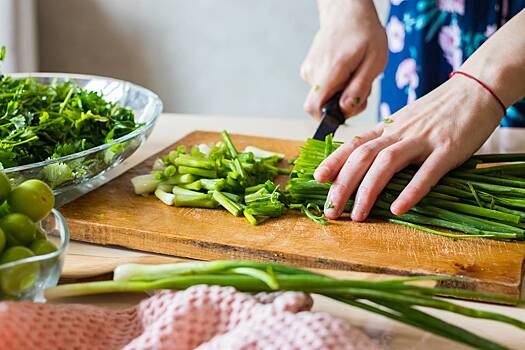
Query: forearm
x=500, y=61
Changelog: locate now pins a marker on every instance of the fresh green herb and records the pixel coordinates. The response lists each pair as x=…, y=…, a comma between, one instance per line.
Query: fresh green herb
x=261, y=153
x=475, y=194
x=2, y=53
x=477, y=204
x=328, y=145
x=40, y=122
x=356, y=101
x=228, y=204
x=388, y=121
x=312, y=211
x=188, y=198
x=398, y=299
x=240, y=182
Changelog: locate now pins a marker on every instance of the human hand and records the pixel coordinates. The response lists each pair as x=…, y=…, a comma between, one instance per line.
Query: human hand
x=348, y=52
x=439, y=131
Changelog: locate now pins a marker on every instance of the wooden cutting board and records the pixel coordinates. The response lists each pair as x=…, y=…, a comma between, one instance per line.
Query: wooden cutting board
x=114, y=215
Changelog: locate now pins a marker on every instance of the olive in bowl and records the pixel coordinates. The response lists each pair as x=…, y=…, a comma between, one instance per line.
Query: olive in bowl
x=33, y=240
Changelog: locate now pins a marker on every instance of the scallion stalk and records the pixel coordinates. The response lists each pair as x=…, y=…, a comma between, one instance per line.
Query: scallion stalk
x=395, y=298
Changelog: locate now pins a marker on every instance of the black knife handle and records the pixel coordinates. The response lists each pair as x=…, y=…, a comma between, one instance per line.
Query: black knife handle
x=332, y=108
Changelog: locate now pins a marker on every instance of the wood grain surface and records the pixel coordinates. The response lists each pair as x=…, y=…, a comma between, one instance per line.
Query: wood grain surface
x=114, y=215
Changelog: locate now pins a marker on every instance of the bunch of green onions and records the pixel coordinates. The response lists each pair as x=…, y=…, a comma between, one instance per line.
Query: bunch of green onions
x=398, y=299
x=476, y=201
x=221, y=176
x=473, y=201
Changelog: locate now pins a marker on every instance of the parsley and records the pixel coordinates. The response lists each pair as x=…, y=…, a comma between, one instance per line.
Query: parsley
x=40, y=122
x=388, y=121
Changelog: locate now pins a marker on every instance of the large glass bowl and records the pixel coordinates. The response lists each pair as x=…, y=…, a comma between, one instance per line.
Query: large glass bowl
x=88, y=169
x=41, y=271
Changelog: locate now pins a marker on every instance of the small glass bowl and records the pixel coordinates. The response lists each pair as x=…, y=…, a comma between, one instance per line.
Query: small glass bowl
x=88, y=169
x=41, y=271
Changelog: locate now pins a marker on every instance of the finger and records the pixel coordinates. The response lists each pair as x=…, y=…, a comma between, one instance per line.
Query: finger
x=358, y=88
x=432, y=170
x=311, y=103
x=388, y=162
x=329, y=168
x=330, y=79
x=306, y=71
x=351, y=174
x=361, y=108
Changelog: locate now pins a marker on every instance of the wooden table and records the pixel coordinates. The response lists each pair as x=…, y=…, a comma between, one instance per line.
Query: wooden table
x=392, y=334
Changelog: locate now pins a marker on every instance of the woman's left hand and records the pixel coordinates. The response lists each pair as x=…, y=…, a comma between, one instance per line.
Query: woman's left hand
x=439, y=131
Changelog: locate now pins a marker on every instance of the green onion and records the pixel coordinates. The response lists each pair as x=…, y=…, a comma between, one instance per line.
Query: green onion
x=398, y=299
x=482, y=202
x=234, y=208
x=475, y=202
x=188, y=198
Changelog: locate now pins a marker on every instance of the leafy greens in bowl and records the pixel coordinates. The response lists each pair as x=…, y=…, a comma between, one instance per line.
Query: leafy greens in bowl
x=70, y=130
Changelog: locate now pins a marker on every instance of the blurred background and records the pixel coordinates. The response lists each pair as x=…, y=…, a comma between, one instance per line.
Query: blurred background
x=229, y=57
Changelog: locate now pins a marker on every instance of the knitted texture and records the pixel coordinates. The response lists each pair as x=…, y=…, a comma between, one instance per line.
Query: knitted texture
x=201, y=317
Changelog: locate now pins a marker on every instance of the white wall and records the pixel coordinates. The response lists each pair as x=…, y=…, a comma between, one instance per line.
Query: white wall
x=18, y=35
x=236, y=57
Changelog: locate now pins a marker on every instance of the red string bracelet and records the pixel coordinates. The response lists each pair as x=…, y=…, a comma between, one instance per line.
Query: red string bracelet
x=485, y=86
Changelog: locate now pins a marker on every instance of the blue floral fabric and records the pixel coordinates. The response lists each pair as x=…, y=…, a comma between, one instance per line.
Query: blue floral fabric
x=428, y=39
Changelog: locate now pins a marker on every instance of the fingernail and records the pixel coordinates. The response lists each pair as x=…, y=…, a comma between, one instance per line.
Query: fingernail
x=328, y=205
x=330, y=210
x=358, y=214
x=348, y=103
x=396, y=208
x=321, y=173
x=331, y=213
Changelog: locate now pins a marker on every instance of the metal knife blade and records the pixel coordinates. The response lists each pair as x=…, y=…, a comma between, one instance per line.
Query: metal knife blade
x=332, y=118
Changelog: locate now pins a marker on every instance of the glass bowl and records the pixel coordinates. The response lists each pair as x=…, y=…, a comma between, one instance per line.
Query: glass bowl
x=41, y=271
x=88, y=169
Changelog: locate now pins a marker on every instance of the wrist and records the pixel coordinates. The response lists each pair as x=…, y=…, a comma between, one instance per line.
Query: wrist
x=487, y=88
x=333, y=11
x=490, y=74
x=500, y=62
x=479, y=99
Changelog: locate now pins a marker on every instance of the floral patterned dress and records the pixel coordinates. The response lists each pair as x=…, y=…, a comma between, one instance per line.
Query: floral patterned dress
x=428, y=39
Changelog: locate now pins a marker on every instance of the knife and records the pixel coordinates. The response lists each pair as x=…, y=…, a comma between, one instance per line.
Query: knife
x=332, y=118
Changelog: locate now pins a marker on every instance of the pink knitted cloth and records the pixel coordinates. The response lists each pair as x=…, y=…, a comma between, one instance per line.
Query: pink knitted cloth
x=200, y=317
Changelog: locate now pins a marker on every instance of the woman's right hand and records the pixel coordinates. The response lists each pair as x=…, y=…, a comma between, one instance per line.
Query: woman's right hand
x=348, y=52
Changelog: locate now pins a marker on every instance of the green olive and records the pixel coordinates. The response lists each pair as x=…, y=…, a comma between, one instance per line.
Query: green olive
x=40, y=234
x=20, y=278
x=42, y=247
x=5, y=187
x=2, y=240
x=4, y=297
x=18, y=228
x=33, y=198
